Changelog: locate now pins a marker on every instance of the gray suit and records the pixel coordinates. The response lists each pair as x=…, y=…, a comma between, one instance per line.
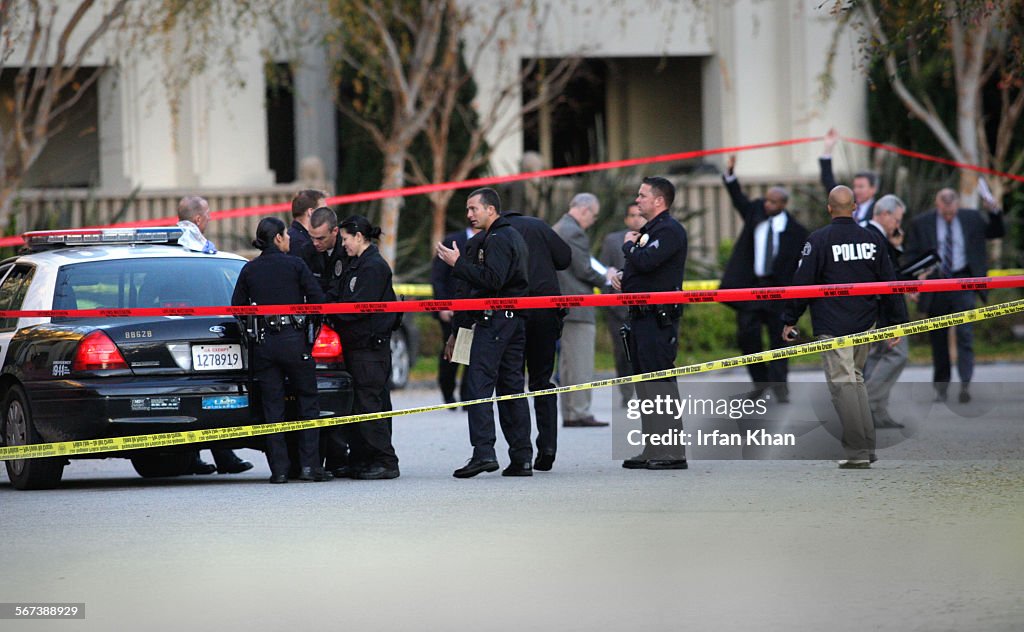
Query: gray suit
x=576, y=359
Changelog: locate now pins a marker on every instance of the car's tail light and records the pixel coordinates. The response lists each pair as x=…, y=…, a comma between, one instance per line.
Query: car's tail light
x=327, y=347
x=97, y=351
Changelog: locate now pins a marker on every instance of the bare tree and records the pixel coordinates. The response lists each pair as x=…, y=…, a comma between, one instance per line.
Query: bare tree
x=405, y=62
x=49, y=80
x=503, y=115
x=982, y=39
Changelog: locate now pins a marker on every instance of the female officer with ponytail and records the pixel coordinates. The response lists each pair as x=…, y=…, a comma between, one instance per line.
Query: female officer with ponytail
x=282, y=346
x=366, y=344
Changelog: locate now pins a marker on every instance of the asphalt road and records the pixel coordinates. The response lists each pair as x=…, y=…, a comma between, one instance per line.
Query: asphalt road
x=923, y=541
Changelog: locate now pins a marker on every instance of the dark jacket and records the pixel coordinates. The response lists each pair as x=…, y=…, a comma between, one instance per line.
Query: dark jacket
x=441, y=279
x=366, y=279
x=299, y=237
x=828, y=180
x=274, y=278
x=327, y=268
x=660, y=263
x=548, y=253
x=923, y=237
x=739, y=271
x=843, y=252
x=494, y=265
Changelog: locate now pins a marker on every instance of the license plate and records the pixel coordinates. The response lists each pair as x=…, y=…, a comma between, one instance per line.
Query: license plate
x=216, y=357
x=225, y=402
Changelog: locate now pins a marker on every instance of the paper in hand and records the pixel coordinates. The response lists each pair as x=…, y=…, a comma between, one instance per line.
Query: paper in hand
x=463, y=344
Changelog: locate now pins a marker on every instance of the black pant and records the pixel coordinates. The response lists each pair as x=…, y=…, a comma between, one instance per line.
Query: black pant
x=286, y=353
x=750, y=319
x=543, y=328
x=447, y=371
x=496, y=364
x=371, y=440
x=943, y=303
x=654, y=348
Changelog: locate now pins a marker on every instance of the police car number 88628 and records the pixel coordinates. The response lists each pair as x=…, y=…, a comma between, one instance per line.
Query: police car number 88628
x=216, y=357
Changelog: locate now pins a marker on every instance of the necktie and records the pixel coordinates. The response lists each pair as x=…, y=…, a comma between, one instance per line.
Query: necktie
x=769, y=249
x=947, y=250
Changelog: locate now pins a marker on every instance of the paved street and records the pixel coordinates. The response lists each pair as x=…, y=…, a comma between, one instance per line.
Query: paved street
x=916, y=543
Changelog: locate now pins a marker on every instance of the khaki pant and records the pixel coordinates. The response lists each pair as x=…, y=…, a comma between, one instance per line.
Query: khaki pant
x=844, y=372
x=576, y=366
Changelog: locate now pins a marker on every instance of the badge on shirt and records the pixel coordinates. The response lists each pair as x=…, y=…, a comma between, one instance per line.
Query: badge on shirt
x=352, y=285
x=480, y=256
x=807, y=249
x=643, y=240
x=338, y=267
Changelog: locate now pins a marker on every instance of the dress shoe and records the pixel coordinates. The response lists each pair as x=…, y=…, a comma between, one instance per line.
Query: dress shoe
x=474, y=467
x=638, y=462
x=315, y=474
x=855, y=464
x=586, y=422
x=940, y=395
x=237, y=467
x=965, y=396
x=199, y=466
x=376, y=473
x=278, y=478
x=518, y=469
x=544, y=461
x=345, y=471
x=667, y=464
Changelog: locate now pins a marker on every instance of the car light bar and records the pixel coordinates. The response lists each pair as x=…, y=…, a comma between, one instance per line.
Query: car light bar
x=41, y=239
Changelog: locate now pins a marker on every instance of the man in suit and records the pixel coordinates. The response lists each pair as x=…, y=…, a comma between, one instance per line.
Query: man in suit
x=886, y=361
x=615, y=317
x=443, y=283
x=548, y=254
x=576, y=358
x=958, y=236
x=865, y=183
x=765, y=254
x=303, y=205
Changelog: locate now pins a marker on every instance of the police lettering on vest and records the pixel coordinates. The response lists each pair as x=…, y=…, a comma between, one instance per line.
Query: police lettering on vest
x=853, y=252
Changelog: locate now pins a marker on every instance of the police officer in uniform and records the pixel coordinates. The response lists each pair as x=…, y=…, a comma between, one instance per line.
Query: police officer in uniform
x=327, y=259
x=494, y=265
x=366, y=343
x=548, y=253
x=283, y=345
x=655, y=261
x=843, y=252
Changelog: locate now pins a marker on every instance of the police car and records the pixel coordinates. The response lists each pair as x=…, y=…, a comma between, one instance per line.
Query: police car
x=74, y=378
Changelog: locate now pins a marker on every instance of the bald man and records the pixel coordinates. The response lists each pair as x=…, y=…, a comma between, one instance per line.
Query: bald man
x=843, y=252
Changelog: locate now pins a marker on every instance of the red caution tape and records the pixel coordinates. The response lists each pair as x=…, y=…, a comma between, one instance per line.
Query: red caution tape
x=368, y=196
x=541, y=302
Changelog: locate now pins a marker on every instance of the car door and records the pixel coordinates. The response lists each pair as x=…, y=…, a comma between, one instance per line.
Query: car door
x=14, y=282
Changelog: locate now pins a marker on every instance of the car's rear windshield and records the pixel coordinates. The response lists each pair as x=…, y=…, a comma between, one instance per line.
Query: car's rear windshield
x=163, y=282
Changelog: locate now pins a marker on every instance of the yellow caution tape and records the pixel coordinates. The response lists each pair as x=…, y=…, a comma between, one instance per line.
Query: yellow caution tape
x=113, y=444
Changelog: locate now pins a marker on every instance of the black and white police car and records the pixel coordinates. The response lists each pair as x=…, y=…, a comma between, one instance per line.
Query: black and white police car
x=69, y=379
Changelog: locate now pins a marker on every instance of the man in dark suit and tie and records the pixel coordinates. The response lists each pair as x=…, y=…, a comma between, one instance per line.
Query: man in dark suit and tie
x=865, y=183
x=958, y=235
x=765, y=254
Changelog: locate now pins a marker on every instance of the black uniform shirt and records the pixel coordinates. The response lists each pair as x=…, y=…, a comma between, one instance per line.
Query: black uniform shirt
x=299, y=238
x=548, y=252
x=657, y=262
x=274, y=278
x=843, y=252
x=327, y=268
x=494, y=265
x=366, y=279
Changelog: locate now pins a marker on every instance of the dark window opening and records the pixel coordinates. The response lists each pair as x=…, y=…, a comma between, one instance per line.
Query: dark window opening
x=578, y=115
x=281, y=122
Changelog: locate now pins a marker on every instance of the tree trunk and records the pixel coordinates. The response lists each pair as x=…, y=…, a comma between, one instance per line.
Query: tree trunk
x=394, y=178
x=440, y=202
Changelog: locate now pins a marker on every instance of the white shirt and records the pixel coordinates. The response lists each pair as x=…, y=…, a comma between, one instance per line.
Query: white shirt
x=778, y=224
